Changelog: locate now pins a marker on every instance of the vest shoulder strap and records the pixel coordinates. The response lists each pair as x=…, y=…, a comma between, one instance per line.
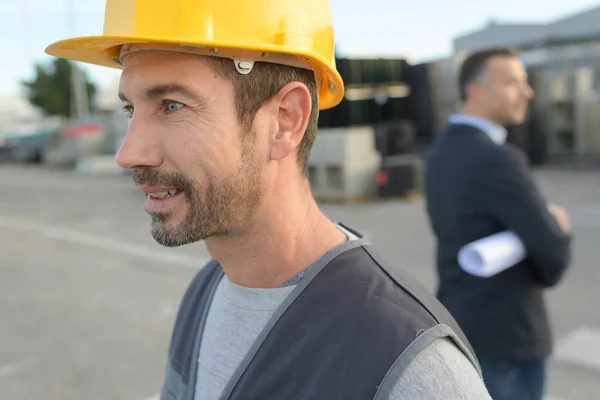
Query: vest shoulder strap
x=423, y=339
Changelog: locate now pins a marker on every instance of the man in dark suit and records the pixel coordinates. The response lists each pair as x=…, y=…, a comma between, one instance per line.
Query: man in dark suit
x=477, y=185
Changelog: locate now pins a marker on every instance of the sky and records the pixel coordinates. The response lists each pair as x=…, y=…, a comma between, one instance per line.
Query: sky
x=419, y=30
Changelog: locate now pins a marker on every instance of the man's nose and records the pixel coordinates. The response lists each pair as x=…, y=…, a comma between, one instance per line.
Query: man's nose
x=140, y=147
x=529, y=92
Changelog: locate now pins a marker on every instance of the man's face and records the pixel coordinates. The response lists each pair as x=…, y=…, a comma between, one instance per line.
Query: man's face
x=503, y=90
x=200, y=169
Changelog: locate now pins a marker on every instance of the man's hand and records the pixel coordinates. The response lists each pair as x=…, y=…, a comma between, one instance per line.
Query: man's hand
x=561, y=215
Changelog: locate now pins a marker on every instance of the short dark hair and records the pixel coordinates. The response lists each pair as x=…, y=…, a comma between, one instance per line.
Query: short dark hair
x=254, y=90
x=475, y=63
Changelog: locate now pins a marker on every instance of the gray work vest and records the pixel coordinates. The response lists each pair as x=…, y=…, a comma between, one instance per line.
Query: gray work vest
x=347, y=331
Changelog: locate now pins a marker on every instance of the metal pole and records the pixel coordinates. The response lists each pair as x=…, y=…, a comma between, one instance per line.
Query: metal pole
x=79, y=95
x=26, y=32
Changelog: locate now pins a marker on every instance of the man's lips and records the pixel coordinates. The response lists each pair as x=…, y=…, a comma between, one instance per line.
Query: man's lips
x=161, y=199
x=160, y=192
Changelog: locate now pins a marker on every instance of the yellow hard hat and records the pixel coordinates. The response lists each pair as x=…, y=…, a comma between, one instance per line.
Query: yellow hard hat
x=290, y=32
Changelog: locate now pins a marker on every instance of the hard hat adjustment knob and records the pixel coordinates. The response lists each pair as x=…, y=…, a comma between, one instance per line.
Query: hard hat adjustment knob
x=243, y=67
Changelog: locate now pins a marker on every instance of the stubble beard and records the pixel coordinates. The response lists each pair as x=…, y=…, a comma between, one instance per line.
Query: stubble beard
x=224, y=206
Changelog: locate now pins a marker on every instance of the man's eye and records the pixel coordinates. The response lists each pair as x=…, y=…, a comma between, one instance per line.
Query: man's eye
x=173, y=106
x=128, y=110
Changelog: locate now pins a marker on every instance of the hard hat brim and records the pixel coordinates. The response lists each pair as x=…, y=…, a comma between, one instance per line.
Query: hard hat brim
x=104, y=51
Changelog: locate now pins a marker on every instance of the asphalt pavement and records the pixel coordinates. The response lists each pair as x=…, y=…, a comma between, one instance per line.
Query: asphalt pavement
x=88, y=299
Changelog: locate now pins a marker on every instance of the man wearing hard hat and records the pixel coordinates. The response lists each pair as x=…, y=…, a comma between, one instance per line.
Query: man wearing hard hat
x=223, y=97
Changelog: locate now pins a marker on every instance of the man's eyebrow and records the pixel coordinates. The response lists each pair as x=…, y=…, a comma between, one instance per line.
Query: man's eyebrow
x=166, y=89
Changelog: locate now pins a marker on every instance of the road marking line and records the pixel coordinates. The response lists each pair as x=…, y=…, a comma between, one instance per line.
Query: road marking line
x=11, y=369
x=580, y=347
x=101, y=242
x=154, y=397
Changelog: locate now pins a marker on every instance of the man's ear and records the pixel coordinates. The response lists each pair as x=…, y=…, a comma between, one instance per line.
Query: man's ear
x=292, y=106
x=472, y=90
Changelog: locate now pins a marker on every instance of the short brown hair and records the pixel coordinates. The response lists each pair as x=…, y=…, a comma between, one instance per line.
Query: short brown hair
x=254, y=90
x=475, y=64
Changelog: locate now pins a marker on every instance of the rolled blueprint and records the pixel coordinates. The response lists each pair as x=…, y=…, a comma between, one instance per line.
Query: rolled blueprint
x=491, y=255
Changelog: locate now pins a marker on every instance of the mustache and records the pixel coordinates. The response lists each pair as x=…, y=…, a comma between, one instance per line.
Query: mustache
x=154, y=177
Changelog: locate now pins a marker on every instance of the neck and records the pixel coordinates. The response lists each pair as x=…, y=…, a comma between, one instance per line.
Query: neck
x=288, y=233
x=475, y=112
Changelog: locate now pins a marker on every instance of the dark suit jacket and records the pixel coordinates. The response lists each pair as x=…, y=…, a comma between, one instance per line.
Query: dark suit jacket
x=475, y=188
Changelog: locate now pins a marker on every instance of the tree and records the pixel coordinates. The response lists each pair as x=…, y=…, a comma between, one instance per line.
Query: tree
x=51, y=88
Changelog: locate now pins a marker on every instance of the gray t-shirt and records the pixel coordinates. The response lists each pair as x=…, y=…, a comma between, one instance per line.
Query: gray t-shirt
x=238, y=314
